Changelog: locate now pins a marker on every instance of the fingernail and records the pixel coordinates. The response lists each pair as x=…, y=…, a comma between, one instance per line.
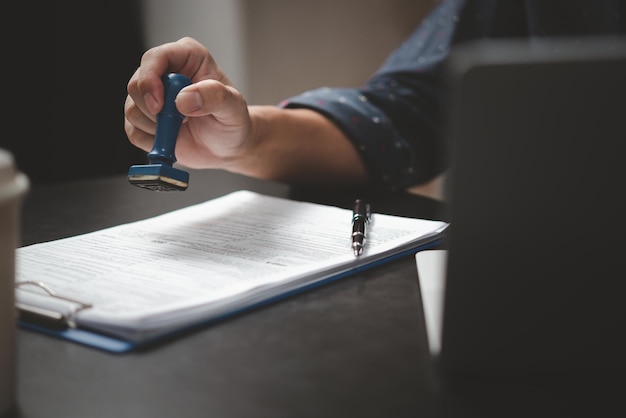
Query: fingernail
x=151, y=102
x=188, y=101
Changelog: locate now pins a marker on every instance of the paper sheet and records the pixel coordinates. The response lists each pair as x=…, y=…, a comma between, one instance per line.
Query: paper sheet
x=165, y=271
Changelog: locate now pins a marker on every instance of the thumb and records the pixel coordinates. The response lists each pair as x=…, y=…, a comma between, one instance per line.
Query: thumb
x=189, y=102
x=211, y=97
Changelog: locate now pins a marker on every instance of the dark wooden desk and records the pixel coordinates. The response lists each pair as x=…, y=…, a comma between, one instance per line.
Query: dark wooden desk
x=354, y=348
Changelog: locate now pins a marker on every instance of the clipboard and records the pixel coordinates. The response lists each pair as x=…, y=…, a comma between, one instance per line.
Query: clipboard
x=53, y=323
x=138, y=284
x=58, y=325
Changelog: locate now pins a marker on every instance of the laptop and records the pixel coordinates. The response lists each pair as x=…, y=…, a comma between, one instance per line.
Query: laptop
x=533, y=278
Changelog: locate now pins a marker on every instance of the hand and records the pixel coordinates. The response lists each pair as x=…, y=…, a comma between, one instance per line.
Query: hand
x=217, y=129
x=295, y=146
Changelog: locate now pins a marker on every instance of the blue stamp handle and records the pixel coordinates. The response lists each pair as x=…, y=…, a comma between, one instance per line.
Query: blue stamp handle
x=169, y=121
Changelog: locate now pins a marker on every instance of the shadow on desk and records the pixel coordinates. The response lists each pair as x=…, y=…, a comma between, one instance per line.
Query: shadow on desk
x=395, y=203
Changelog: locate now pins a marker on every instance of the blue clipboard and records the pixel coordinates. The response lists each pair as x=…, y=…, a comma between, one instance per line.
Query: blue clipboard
x=57, y=328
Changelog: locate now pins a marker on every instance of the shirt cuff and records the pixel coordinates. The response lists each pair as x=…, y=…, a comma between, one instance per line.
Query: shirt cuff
x=384, y=152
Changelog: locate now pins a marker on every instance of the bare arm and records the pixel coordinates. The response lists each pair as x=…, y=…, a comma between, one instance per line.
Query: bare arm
x=300, y=146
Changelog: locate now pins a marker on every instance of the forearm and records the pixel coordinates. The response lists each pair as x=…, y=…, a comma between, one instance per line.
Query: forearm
x=299, y=147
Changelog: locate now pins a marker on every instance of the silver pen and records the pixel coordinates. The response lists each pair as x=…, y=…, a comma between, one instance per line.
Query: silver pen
x=360, y=217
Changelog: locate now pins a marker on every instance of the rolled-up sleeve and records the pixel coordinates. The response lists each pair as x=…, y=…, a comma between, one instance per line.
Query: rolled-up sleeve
x=395, y=120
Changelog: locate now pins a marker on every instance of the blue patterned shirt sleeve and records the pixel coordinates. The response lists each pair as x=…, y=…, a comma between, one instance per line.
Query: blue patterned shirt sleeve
x=396, y=120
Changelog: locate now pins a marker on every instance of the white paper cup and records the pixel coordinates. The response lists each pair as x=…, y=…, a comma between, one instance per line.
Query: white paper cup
x=13, y=186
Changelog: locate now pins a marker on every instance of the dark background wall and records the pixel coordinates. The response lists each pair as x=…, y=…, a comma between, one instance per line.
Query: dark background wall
x=96, y=46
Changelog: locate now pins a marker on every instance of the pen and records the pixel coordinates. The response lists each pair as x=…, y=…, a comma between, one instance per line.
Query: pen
x=360, y=217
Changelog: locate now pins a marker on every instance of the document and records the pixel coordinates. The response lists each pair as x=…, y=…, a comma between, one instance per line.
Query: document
x=147, y=279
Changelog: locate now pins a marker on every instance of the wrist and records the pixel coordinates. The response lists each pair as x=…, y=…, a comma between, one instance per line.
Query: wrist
x=300, y=147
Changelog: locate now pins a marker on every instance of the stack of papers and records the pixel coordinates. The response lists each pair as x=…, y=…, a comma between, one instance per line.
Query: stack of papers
x=144, y=280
